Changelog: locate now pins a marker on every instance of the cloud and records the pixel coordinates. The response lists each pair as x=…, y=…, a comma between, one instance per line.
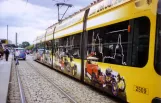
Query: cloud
x=27, y=21
x=17, y=11
x=30, y=19
x=51, y=3
x=24, y=33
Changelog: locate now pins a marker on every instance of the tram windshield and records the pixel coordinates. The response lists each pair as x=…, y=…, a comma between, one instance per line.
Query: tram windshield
x=158, y=40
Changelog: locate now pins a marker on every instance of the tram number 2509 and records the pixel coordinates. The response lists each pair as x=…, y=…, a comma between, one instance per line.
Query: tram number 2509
x=141, y=89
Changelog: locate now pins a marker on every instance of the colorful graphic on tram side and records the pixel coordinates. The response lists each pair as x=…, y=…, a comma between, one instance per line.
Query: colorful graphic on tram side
x=109, y=80
x=67, y=64
x=47, y=57
x=62, y=63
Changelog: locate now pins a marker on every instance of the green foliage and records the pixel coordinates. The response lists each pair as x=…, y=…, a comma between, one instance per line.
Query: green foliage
x=30, y=47
x=20, y=45
x=25, y=44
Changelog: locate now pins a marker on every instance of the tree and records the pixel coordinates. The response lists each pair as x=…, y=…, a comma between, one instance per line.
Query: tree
x=25, y=44
x=30, y=47
x=20, y=45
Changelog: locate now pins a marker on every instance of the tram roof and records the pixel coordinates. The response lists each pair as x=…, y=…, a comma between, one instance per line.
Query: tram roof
x=95, y=7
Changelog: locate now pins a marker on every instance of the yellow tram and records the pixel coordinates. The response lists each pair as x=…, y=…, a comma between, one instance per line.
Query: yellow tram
x=113, y=45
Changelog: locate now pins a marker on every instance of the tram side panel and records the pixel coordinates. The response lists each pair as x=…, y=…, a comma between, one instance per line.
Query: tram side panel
x=66, y=56
x=117, y=54
x=103, y=49
x=47, y=56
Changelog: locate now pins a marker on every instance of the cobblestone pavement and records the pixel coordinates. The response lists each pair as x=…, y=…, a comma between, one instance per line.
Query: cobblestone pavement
x=81, y=93
x=36, y=88
x=13, y=91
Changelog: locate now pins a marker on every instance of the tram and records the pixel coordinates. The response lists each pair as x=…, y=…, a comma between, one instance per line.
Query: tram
x=113, y=45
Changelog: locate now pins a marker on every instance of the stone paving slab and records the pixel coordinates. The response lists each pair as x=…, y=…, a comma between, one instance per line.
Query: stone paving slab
x=5, y=68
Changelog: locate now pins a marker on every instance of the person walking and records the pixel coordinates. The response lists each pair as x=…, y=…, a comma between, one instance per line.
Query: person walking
x=1, y=52
x=17, y=53
x=7, y=54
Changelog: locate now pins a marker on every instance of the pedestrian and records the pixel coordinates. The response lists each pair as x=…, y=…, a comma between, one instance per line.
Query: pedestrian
x=0, y=55
x=1, y=52
x=17, y=53
x=7, y=54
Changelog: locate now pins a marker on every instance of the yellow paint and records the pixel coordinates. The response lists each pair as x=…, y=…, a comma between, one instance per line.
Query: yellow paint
x=74, y=33
x=106, y=10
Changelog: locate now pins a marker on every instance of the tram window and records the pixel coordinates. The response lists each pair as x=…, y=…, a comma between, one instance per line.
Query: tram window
x=115, y=43
x=40, y=45
x=94, y=47
x=48, y=47
x=62, y=46
x=73, y=46
x=68, y=46
x=109, y=44
x=141, y=41
x=157, y=62
x=76, y=48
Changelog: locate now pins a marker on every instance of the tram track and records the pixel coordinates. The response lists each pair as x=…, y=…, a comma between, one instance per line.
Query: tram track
x=22, y=95
x=23, y=100
x=72, y=100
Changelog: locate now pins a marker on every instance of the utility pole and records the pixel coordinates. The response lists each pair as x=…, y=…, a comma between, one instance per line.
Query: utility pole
x=45, y=45
x=16, y=39
x=7, y=34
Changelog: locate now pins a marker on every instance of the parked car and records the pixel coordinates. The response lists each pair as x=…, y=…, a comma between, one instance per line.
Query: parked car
x=22, y=53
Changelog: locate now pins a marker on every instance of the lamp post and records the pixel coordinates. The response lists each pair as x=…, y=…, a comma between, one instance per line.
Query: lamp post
x=16, y=40
x=7, y=34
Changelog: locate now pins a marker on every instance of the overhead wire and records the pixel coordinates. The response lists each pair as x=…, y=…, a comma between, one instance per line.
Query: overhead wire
x=26, y=3
x=60, y=6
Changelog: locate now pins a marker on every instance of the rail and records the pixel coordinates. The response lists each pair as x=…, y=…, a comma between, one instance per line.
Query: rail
x=22, y=96
x=55, y=85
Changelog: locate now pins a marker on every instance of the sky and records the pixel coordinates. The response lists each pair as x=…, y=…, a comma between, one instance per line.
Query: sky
x=30, y=19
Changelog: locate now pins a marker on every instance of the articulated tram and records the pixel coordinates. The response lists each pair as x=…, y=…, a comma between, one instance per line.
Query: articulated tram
x=113, y=45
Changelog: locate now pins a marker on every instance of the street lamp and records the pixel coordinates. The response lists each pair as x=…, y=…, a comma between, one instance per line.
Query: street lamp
x=7, y=34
